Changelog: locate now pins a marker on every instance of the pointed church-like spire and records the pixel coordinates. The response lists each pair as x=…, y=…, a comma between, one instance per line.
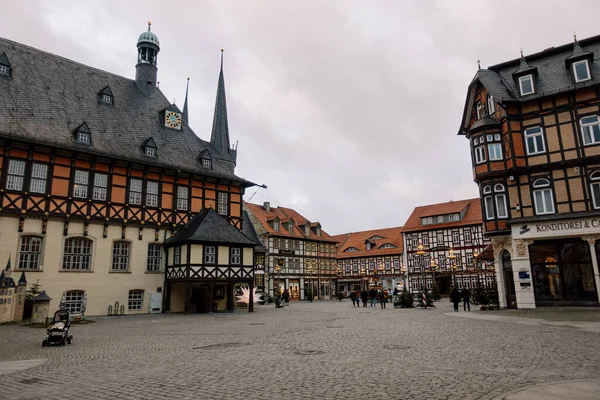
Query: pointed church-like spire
x=185, y=103
x=219, y=137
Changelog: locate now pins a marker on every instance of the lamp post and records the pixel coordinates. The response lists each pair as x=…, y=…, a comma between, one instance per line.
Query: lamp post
x=421, y=254
x=404, y=276
x=277, y=270
x=363, y=273
x=338, y=272
x=309, y=271
x=452, y=258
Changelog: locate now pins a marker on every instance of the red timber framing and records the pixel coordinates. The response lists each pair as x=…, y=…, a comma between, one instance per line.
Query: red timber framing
x=56, y=200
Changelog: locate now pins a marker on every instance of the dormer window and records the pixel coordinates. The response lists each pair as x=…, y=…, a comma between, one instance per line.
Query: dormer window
x=490, y=104
x=150, y=152
x=105, y=96
x=206, y=163
x=480, y=110
x=526, y=85
x=276, y=225
x=368, y=246
x=83, y=135
x=149, y=148
x=106, y=99
x=290, y=227
x=3, y=70
x=307, y=229
x=388, y=246
x=581, y=71
x=4, y=65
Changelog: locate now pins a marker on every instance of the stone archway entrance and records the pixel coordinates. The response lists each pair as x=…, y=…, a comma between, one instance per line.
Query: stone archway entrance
x=509, y=280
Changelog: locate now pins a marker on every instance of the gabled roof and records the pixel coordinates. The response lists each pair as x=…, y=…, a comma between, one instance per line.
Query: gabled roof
x=106, y=90
x=4, y=60
x=6, y=282
x=209, y=227
x=359, y=239
x=54, y=95
x=282, y=213
x=552, y=75
x=249, y=231
x=42, y=296
x=472, y=215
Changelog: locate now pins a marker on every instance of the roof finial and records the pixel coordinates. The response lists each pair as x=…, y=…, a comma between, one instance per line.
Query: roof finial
x=158, y=85
x=173, y=100
x=222, y=50
x=149, y=23
x=478, y=64
x=521, y=53
x=574, y=36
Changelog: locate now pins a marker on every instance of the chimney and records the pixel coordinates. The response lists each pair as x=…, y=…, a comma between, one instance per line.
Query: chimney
x=267, y=206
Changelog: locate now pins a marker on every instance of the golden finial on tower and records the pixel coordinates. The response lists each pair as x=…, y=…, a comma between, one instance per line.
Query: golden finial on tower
x=149, y=23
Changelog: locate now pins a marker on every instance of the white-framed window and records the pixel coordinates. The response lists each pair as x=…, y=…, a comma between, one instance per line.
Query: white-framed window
x=182, y=198
x=479, y=154
x=16, y=174
x=77, y=254
x=534, y=139
x=80, y=187
x=495, y=151
x=290, y=227
x=542, y=197
x=83, y=137
x=595, y=189
x=136, y=300
x=469, y=258
x=425, y=238
x=368, y=245
x=488, y=202
x=135, y=191
x=150, y=151
x=440, y=237
x=440, y=219
x=581, y=70
x=155, y=252
x=276, y=225
x=152, y=194
x=236, y=256
x=467, y=235
x=177, y=255
x=30, y=252
x=74, y=301
x=100, y=185
x=480, y=110
x=455, y=237
x=39, y=173
x=209, y=254
x=453, y=217
x=387, y=246
x=3, y=70
x=120, y=256
x=490, y=104
x=222, y=203
x=590, y=129
x=107, y=99
x=206, y=162
x=526, y=85
x=500, y=200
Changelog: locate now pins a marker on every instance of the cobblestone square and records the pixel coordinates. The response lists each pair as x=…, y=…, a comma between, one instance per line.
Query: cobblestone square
x=319, y=350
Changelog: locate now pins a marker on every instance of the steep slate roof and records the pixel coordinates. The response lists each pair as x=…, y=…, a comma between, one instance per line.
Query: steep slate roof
x=209, y=227
x=298, y=220
x=42, y=296
x=358, y=239
x=47, y=97
x=249, y=231
x=472, y=215
x=552, y=77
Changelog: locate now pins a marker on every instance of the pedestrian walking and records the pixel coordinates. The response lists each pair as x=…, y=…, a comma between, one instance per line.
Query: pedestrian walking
x=353, y=298
x=286, y=297
x=466, y=296
x=364, y=296
x=455, y=297
x=384, y=297
x=373, y=296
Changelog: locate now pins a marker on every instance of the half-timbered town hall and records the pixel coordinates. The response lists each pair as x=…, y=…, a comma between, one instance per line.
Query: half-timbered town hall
x=99, y=173
x=533, y=125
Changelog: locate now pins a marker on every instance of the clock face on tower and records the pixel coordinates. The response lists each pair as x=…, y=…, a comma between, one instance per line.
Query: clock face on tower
x=172, y=120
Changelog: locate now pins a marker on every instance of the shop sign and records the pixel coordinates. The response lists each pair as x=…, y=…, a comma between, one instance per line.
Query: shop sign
x=557, y=228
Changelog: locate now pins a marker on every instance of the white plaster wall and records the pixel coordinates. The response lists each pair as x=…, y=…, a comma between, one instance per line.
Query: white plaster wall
x=248, y=256
x=223, y=255
x=102, y=286
x=525, y=296
x=196, y=254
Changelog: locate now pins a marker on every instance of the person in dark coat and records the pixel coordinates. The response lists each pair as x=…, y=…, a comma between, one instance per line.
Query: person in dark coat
x=466, y=295
x=373, y=296
x=364, y=296
x=455, y=297
x=353, y=298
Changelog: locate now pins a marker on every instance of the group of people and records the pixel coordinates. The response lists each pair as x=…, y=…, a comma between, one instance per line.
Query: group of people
x=464, y=294
x=373, y=296
x=284, y=297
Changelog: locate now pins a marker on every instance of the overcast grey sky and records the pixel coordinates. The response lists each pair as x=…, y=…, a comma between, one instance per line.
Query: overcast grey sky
x=347, y=110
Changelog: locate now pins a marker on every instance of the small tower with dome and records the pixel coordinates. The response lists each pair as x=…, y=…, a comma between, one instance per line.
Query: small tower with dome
x=146, y=70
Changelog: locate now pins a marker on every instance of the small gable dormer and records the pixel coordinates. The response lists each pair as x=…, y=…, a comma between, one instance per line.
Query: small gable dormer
x=350, y=250
x=105, y=96
x=316, y=228
x=4, y=65
x=525, y=77
x=307, y=228
x=374, y=238
x=387, y=246
x=274, y=222
x=82, y=134
x=290, y=226
x=149, y=148
x=205, y=159
x=368, y=245
x=171, y=117
x=579, y=63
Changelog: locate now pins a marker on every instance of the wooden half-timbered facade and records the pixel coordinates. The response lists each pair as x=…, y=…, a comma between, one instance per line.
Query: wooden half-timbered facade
x=533, y=124
x=300, y=254
x=369, y=260
x=97, y=171
x=451, y=235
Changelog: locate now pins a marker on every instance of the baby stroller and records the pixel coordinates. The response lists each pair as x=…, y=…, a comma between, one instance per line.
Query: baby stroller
x=58, y=332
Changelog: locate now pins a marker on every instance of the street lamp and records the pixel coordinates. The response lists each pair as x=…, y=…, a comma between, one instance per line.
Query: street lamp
x=421, y=254
x=363, y=273
x=309, y=271
x=432, y=267
x=404, y=276
x=277, y=270
x=452, y=258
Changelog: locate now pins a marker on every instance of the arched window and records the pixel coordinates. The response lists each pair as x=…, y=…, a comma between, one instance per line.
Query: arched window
x=77, y=254
x=490, y=103
x=495, y=202
x=30, y=252
x=542, y=197
x=595, y=188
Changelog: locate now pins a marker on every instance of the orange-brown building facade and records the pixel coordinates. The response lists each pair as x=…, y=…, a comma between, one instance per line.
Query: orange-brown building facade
x=97, y=171
x=534, y=128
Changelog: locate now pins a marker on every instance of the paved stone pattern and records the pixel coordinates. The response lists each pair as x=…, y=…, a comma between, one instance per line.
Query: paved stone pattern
x=319, y=350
